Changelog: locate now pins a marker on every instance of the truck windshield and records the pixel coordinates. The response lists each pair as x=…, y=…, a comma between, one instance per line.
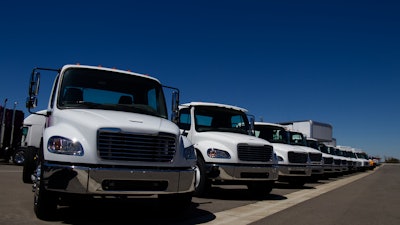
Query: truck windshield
x=208, y=118
x=271, y=133
x=100, y=89
x=297, y=139
x=313, y=144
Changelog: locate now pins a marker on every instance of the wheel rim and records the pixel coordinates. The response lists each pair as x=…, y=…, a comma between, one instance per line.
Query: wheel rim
x=19, y=158
x=197, y=176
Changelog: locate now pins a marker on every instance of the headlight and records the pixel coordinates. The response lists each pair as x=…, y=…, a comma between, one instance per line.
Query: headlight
x=216, y=153
x=61, y=145
x=280, y=158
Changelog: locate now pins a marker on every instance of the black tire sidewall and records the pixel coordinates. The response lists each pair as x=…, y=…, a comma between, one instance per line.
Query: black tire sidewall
x=29, y=164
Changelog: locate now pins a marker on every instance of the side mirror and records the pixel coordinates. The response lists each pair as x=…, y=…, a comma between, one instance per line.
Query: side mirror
x=31, y=102
x=175, y=106
x=251, y=121
x=34, y=84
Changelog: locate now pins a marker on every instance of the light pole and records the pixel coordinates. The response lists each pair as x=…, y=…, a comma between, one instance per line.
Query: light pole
x=12, y=125
x=3, y=125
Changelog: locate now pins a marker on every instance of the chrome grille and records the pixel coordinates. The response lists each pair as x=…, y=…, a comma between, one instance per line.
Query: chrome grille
x=255, y=153
x=297, y=157
x=117, y=145
x=315, y=157
x=328, y=160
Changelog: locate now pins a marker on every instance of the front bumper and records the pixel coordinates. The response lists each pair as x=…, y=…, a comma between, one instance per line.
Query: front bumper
x=329, y=168
x=240, y=172
x=294, y=170
x=117, y=181
x=317, y=169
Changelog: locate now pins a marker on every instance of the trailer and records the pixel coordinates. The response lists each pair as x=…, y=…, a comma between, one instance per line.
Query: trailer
x=311, y=129
x=10, y=132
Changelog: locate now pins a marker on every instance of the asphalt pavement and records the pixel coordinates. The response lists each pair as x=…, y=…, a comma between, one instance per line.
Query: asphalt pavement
x=372, y=200
x=368, y=198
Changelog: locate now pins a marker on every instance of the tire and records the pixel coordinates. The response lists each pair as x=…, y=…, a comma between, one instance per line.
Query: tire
x=202, y=184
x=260, y=188
x=45, y=202
x=19, y=157
x=30, y=156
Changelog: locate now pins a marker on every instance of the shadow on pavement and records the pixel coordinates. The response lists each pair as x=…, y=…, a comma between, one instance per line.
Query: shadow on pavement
x=128, y=211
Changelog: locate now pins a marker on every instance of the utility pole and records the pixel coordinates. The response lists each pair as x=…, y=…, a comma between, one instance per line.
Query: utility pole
x=3, y=125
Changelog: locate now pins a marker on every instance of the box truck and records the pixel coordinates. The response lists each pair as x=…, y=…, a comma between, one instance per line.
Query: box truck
x=311, y=129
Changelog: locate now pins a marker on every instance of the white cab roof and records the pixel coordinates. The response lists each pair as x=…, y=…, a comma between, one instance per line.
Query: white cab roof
x=108, y=69
x=270, y=124
x=215, y=105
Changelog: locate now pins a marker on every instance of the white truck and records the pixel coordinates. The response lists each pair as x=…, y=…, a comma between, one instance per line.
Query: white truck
x=294, y=162
x=311, y=129
x=363, y=158
x=316, y=160
x=107, y=133
x=227, y=152
x=352, y=161
x=328, y=163
x=340, y=161
x=32, y=129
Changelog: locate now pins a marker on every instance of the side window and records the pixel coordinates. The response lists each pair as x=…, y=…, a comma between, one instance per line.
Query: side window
x=276, y=136
x=24, y=133
x=237, y=121
x=184, y=119
x=205, y=121
x=152, y=99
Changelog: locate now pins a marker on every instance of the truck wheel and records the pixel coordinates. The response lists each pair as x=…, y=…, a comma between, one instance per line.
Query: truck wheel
x=18, y=157
x=30, y=156
x=260, y=188
x=202, y=184
x=45, y=202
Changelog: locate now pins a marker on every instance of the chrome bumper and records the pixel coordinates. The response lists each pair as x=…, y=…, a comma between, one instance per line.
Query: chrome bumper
x=117, y=181
x=317, y=169
x=329, y=169
x=243, y=172
x=294, y=170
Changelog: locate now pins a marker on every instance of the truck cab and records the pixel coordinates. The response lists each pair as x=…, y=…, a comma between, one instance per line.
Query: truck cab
x=351, y=157
x=293, y=161
x=340, y=161
x=363, y=159
x=227, y=151
x=32, y=132
x=107, y=133
x=328, y=163
x=316, y=160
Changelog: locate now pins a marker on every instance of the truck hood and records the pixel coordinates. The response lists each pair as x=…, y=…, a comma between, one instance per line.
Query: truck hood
x=279, y=147
x=127, y=121
x=232, y=138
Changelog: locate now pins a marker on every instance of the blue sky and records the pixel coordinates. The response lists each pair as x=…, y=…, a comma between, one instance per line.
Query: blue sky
x=336, y=62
